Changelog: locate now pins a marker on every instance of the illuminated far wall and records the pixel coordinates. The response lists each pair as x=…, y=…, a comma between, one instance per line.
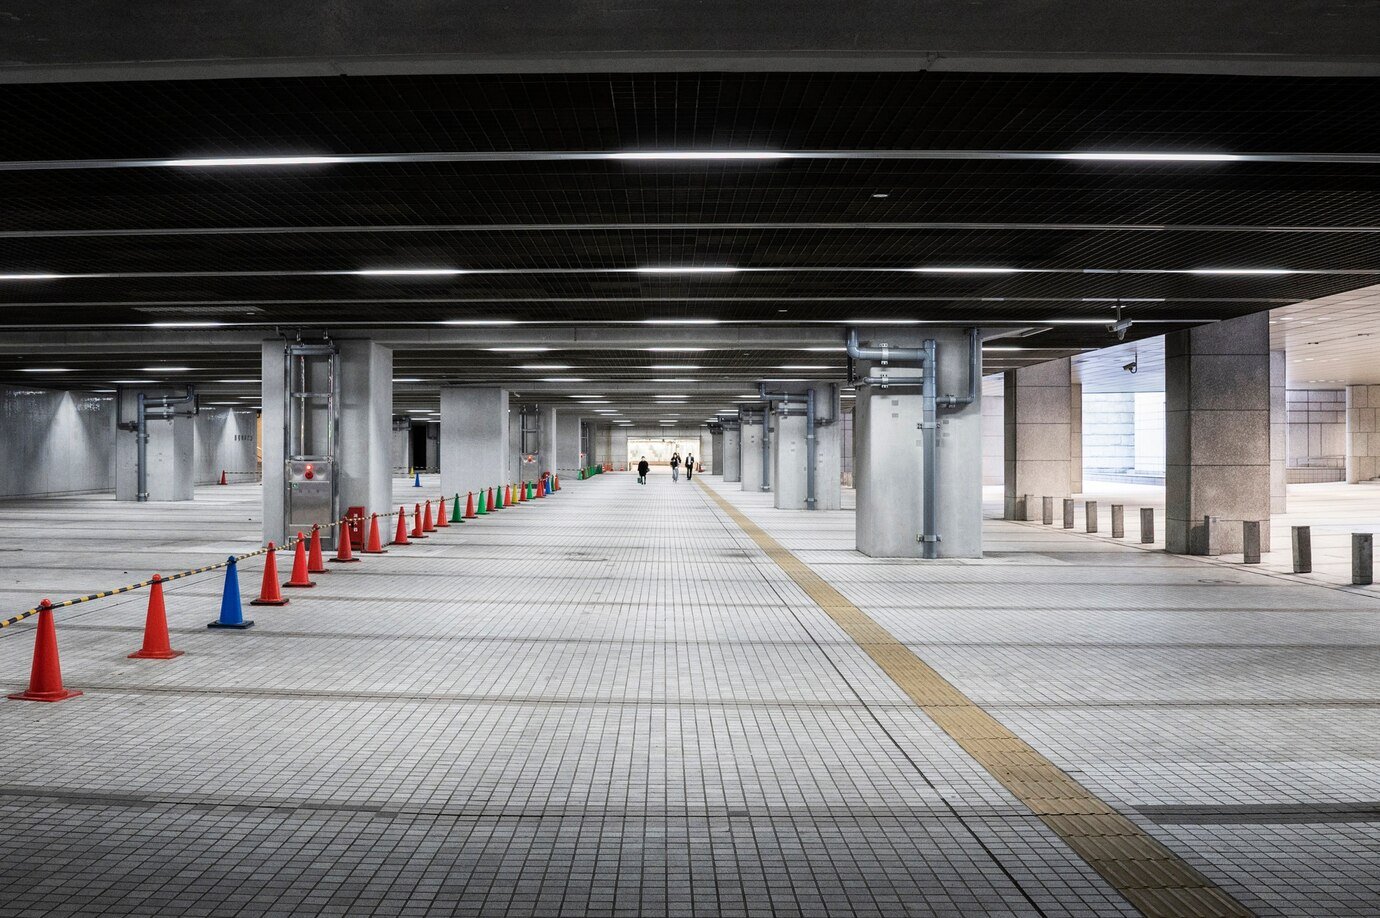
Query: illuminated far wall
x=658, y=449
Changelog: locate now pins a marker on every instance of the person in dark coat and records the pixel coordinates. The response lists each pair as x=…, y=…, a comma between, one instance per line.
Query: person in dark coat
x=675, y=466
x=642, y=469
x=689, y=466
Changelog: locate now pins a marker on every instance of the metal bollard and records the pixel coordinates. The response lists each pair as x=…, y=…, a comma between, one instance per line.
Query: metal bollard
x=1090, y=515
x=1028, y=507
x=1250, y=541
x=1047, y=510
x=1212, y=544
x=1362, y=559
x=1147, y=525
x=1118, y=521
x=1302, y=537
x=1068, y=512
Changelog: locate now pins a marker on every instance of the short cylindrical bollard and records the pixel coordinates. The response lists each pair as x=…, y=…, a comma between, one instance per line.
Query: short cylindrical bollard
x=1302, y=537
x=1028, y=507
x=1047, y=510
x=1068, y=512
x=1147, y=525
x=1212, y=544
x=1362, y=559
x=1250, y=541
x=1118, y=521
x=1090, y=515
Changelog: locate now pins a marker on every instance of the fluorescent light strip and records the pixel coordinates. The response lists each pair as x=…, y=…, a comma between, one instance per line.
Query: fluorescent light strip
x=1153, y=157
x=407, y=272
x=681, y=321
x=218, y=161
x=696, y=155
x=46, y=370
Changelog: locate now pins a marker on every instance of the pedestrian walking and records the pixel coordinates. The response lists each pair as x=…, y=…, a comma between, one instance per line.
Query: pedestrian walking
x=675, y=466
x=689, y=466
x=642, y=469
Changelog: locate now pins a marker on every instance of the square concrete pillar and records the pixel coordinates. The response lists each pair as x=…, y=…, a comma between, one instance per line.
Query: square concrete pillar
x=1075, y=438
x=751, y=434
x=1362, y=433
x=732, y=455
x=401, y=448
x=546, y=439
x=475, y=439
x=618, y=447
x=888, y=458
x=570, y=457
x=1038, y=404
x=433, y=445
x=171, y=449
x=790, y=451
x=713, y=456
x=1279, y=434
x=1217, y=433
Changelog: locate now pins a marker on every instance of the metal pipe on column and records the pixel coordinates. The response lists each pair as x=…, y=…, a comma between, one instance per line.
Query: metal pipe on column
x=141, y=428
x=810, y=449
x=929, y=431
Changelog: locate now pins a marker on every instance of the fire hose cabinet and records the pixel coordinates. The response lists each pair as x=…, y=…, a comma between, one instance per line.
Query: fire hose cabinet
x=354, y=525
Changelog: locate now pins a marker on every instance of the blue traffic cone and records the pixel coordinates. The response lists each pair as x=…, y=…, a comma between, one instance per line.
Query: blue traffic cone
x=231, y=611
x=416, y=479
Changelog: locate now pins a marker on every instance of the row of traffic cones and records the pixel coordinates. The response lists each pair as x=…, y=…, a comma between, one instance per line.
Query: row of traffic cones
x=45, y=677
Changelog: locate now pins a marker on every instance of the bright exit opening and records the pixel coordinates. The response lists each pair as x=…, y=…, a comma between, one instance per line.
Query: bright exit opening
x=658, y=452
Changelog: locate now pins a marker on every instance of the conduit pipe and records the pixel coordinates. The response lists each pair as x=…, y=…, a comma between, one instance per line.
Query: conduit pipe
x=164, y=406
x=926, y=357
x=808, y=400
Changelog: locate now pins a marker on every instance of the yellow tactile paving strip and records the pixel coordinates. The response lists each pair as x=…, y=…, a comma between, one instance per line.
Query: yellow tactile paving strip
x=1153, y=878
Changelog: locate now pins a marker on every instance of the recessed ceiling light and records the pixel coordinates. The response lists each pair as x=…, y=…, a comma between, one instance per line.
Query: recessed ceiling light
x=479, y=322
x=1152, y=157
x=692, y=155
x=185, y=324
x=46, y=370
x=518, y=349
x=940, y=270
x=407, y=272
x=1238, y=271
x=685, y=269
x=543, y=366
x=166, y=369
x=408, y=379
x=674, y=366
x=675, y=350
x=879, y=194
x=681, y=321
x=253, y=161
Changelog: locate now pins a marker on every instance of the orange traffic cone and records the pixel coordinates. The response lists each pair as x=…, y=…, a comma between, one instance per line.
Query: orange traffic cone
x=555, y=482
x=45, y=679
x=375, y=544
x=441, y=521
x=343, y=554
x=269, y=594
x=417, y=532
x=400, y=538
x=427, y=524
x=491, y=499
x=300, y=577
x=156, y=643
x=315, y=563
x=469, y=506
x=222, y=477
x=541, y=486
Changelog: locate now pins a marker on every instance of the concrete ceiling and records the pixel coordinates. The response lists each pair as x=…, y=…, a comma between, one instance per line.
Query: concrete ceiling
x=1332, y=341
x=197, y=39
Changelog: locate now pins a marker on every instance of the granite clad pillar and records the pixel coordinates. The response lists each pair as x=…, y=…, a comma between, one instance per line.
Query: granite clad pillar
x=1217, y=433
x=1038, y=405
x=1279, y=435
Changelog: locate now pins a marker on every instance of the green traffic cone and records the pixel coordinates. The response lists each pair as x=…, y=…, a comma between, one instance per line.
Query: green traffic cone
x=482, y=509
x=455, y=515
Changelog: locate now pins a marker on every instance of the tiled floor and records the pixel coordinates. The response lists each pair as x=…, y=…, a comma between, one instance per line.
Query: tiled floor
x=612, y=702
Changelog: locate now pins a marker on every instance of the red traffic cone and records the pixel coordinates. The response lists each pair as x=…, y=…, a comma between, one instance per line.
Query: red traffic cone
x=156, y=643
x=441, y=521
x=315, y=563
x=45, y=679
x=427, y=524
x=222, y=477
x=300, y=577
x=269, y=594
x=343, y=554
x=555, y=482
x=401, y=537
x=469, y=506
x=375, y=544
x=417, y=532
x=541, y=486
x=491, y=499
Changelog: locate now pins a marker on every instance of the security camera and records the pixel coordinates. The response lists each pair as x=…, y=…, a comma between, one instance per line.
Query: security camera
x=1131, y=367
x=1119, y=328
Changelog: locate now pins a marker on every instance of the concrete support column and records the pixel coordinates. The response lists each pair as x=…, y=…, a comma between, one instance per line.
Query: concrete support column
x=569, y=457
x=732, y=456
x=401, y=445
x=751, y=433
x=1279, y=434
x=790, y=452
x=1038, y=405
x=888, y=457
x=1217, y=433
x=1362, y=433
x=433, y=444
x=171, y=450
x=546, y=450
x=713, y=447
x=618, y=447
x=476, y=443
x=1075, y=438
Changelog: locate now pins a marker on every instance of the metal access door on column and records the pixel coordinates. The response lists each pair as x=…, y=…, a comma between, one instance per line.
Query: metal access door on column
x=312, y=424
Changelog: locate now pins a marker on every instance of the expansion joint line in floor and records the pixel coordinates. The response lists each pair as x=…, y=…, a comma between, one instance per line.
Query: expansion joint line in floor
x=1153, y=878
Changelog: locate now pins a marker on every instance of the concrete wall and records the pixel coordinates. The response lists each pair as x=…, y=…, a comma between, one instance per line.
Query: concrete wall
x=993, y=430
x=56, y=442
x=1315, y=435
x=1109, y=435
x=1362, y=433
x=226, y=439
x=1038, y=424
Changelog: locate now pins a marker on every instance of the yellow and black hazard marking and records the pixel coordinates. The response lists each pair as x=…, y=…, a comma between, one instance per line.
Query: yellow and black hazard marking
x=1152, y=878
